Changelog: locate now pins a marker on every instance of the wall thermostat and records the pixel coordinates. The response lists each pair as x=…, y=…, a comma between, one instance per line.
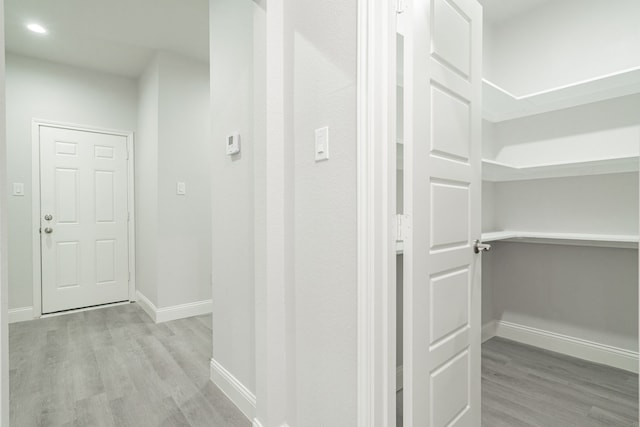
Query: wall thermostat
x=233, y=144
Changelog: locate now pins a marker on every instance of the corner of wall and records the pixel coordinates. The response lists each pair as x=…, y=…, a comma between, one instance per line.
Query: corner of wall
x=237, y=392
x=146, y=187
x=148, y=306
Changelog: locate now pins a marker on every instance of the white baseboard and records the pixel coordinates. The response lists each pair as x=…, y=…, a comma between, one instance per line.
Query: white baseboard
x=399, y=377
x=23, y=314
x=257, y=423
x=182, y=311
x=234, y=390
x=571, y=346
x=146, y=304
x=489, y=330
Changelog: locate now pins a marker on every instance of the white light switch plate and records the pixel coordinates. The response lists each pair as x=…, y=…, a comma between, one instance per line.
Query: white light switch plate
x=233, y=144
x=322, y=144
x=181, y=188
x=18, y=189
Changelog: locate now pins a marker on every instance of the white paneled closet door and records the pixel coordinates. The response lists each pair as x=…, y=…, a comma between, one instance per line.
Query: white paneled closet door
x=442, y=319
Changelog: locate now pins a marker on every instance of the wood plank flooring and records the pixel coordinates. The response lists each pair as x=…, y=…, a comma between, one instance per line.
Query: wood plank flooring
x=115, y=367
x=528, y=386
x=525, y=386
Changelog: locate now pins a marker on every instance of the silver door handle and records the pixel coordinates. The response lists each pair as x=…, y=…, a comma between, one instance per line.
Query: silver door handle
x=48, y=230
x=480, y=247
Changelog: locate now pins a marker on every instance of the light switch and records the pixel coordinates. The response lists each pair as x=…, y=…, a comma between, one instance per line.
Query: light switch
x=18, y=189
x=322, y=144
x=233, y=144
x=181, y=188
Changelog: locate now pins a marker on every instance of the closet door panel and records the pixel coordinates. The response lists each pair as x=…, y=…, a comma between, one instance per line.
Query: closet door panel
x=442, y=196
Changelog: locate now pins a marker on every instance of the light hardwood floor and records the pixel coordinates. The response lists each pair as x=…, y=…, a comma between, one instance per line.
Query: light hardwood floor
x=528, y=386
x=525, y=386
x=115, y=367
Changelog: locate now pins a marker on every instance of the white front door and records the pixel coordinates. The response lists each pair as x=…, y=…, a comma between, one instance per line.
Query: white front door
x=83, y=218
x=442, y=76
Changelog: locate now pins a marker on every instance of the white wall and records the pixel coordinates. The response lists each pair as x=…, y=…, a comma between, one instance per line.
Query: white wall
x=562, y=42
x=324, y=94
x=606, y=204
x=146, y=167
x=584, y=292
x=488, y=137
x=599, y=130
x=232, y=189
x=315, y=239
x=488, y=314
x=184, y=253
x=44, y=90
x=577, y=291
x=488, y=224
x=488, y=206
x=174, y=265
x=174, y=235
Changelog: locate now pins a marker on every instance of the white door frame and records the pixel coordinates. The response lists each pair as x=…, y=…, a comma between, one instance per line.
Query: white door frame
x=4, y=229
x=376, y=176
x=35, y=203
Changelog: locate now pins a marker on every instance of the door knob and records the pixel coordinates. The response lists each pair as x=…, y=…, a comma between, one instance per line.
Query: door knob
x=478, y=247
x=48, y=217
x=48, y=230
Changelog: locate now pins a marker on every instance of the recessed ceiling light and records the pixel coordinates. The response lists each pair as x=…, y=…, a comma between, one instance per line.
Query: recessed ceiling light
x=37, y=28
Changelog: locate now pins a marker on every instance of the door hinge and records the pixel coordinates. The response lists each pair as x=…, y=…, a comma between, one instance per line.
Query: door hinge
x=403, y=227
x=129, y=276
x=128, y=216
x=401, y=6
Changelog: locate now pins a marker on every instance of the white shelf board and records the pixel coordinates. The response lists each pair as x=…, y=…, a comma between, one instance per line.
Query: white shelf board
x=498, y=172
x=494, y=236
x=498, y=104
x=569, y=239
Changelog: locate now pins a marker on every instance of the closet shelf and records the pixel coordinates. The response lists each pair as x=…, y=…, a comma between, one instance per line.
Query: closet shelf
x=499, y=172
x=627, y=241
x=499, y=104
x=569, y=239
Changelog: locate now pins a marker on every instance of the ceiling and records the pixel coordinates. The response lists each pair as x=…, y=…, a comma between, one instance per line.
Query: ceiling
x=121, y=36
x=496, y=11
x=116, y=36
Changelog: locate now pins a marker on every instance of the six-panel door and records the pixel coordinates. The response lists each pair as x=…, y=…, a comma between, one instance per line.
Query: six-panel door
x=84, y=218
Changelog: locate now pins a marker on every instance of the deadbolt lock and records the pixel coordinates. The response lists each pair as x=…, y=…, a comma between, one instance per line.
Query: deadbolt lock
x=48, y=217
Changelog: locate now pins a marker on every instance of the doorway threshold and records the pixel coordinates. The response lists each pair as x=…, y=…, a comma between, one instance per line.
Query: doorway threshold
x=78, y=310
